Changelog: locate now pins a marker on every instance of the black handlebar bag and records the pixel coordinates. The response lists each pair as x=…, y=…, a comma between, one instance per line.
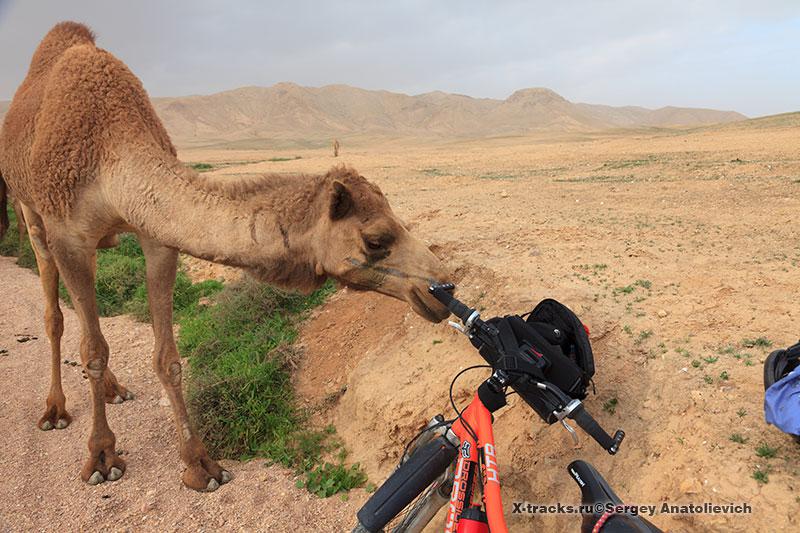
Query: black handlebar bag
x=555, y=348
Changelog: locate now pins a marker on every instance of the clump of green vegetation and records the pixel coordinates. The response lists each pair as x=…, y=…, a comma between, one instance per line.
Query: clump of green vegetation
x=643, y=336
x=202, y=167
x=239, y=387
x=432, y=171
x=766, y=451
x=328, y=479
x=738, y=438
x=281, y=159
x=730, y=349
x=760, y=342
x=762, y=476
x=627, y=289
x=610, y=406
x=10, y=245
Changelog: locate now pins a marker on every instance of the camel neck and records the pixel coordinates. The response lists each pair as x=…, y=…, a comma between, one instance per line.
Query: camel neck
x=257, y=224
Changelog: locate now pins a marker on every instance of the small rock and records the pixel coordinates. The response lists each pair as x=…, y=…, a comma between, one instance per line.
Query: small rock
x=4, y=352
x=690, y=486
x=662, y=313
x=503, y=194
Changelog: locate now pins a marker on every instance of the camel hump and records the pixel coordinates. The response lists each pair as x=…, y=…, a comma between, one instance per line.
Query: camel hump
x=58, y=40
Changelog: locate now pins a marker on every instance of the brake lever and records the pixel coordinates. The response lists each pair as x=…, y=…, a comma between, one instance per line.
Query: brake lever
x=562, y=415
x=576, y=443
x=458, y=327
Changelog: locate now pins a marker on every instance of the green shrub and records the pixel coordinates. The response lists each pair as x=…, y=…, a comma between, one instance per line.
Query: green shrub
x=328, y=479
x=239, y=383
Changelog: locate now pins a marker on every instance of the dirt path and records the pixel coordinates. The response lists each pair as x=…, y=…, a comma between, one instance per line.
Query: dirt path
x=40, y=487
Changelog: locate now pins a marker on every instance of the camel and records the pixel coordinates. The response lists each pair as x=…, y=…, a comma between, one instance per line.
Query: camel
x=86, y=156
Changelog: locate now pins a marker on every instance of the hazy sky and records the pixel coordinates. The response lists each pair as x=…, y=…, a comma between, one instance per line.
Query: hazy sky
x=725, y=54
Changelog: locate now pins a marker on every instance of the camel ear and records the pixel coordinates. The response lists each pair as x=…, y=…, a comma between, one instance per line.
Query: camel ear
x=341, y=201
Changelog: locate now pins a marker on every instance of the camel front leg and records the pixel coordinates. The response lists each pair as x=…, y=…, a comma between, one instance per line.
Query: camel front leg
x=75, y=261
x=201, y=472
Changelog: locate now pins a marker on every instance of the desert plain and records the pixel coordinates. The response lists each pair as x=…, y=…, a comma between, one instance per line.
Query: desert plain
x=678, y=247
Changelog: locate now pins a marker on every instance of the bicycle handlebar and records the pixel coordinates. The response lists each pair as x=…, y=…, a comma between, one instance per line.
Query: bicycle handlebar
x=443, y=293
x=587, y=423
x=485, y=333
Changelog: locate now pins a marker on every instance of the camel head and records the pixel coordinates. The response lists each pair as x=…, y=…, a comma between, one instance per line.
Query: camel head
x=363, y=245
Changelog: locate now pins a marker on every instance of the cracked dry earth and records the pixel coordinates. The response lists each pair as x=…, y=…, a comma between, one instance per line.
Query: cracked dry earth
x=40, y=487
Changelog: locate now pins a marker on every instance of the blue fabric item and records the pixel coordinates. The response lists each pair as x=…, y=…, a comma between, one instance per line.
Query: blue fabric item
x=782, y=403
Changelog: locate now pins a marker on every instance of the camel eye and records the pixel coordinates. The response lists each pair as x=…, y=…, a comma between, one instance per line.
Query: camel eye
x=374, y=246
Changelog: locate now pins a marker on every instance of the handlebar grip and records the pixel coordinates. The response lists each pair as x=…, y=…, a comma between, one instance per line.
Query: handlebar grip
x=442, y=292
x=585, y=420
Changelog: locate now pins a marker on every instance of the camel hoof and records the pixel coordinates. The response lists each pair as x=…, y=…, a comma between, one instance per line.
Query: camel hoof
x=114, y=474
x=212, y=485
x=96, y=478
x=129, y=396
x=226, y=476
x=46, y=426
x=117, y=399
x=61, y=423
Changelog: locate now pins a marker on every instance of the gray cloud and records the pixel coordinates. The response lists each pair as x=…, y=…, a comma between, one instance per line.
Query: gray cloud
x=732, y=54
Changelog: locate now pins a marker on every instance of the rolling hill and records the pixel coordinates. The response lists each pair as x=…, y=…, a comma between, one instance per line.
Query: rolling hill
x=289, y=111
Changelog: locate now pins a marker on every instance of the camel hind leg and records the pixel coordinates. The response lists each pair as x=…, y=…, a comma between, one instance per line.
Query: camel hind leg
x=201, y=472
x=55, y=415
x=75, y=262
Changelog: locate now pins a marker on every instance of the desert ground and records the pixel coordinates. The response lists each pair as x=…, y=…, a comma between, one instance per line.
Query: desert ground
x=676, y=247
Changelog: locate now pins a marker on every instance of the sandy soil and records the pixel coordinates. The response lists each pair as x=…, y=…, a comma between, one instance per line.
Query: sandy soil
x=705, y=221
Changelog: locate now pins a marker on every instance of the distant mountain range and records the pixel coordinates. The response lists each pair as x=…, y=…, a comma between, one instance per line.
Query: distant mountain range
x=290, y=111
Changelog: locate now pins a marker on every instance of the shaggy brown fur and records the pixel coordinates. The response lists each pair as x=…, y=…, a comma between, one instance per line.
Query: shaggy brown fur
x=86, y=156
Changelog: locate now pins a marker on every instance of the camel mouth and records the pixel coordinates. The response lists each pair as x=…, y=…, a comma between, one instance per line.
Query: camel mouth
x=435, y=315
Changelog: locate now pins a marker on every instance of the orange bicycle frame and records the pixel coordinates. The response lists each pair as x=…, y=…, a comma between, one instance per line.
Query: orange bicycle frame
x=477, y=462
